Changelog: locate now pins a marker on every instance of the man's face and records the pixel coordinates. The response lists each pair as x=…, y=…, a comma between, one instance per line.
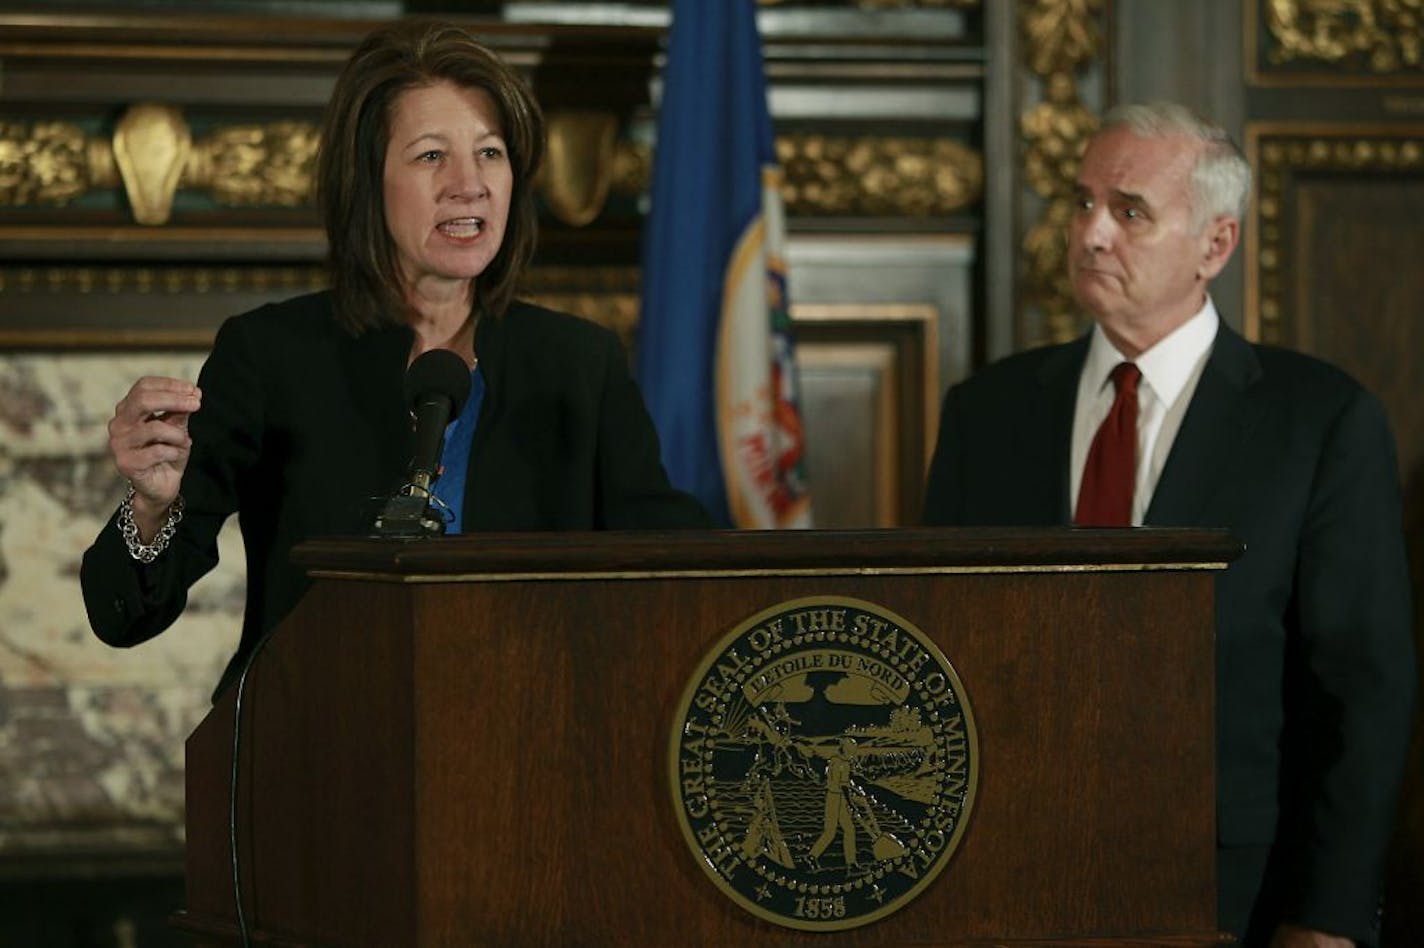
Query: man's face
x=1137, y=262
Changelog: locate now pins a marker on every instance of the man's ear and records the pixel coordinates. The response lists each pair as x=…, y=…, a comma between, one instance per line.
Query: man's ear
x=1218, y=241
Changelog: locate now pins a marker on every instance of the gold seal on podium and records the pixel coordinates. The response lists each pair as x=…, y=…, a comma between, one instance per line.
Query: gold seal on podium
x=823, y=763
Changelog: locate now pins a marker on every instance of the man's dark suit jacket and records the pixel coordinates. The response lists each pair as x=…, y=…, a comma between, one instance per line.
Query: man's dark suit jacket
x=1315, y=674
x=303, y=424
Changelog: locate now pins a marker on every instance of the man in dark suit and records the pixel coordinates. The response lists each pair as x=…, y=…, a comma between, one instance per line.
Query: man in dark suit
x=1315, y=670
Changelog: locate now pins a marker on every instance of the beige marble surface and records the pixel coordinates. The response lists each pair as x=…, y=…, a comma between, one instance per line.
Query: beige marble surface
x=91, y=737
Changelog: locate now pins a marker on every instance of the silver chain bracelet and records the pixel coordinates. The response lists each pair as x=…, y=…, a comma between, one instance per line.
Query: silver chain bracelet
x=148, y=552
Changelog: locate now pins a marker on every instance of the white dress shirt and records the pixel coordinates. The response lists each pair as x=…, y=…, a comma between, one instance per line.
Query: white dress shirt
x=1170, y=371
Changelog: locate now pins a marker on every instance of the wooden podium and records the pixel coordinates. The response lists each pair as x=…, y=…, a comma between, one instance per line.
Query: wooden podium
x=465, y=741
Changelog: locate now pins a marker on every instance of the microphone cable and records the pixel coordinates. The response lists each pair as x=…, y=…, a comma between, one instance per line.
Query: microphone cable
x=241, y=916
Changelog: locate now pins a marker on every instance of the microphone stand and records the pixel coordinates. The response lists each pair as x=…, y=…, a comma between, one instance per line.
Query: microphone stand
x=436, y=385
x=411, y=511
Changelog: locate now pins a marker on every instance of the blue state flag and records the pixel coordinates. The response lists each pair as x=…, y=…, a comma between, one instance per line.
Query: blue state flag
x=715, y=351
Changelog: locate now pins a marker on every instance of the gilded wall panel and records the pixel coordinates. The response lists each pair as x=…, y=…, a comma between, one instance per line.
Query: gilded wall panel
x=1062, y=43
x=1356, y=42
x=1289, y=158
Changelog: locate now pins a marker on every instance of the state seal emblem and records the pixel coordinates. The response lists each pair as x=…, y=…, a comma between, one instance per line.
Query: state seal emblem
x=823, y=763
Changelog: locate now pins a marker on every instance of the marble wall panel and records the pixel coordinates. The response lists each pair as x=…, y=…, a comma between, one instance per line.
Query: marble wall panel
x=91, y=737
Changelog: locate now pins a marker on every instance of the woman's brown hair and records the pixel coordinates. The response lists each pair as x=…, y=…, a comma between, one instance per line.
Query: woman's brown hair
x=366, y=279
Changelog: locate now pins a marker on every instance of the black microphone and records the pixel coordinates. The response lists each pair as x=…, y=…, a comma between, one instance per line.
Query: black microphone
x=436, y=386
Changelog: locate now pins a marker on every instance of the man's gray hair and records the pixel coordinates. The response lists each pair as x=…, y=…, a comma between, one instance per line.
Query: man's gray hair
x=1221, y=177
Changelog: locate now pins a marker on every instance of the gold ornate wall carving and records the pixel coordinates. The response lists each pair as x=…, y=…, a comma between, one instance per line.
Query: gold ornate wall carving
x=1339, y=42
x=151, y=145
x=606, y=295
x=145, y=280
x=1370, y=36
x=579, y=169
x=51, y=163
x=877, y=175
x=549, y=281
x=851, y=176
x=1278, y=153
x=1062, y=38
x=257, y=165
x=151, y=152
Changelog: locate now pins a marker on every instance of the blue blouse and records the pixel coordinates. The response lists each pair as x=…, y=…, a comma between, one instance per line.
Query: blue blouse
x=449, y=488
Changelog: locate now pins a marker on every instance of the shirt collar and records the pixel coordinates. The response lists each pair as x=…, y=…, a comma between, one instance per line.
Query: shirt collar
x=1167, y=366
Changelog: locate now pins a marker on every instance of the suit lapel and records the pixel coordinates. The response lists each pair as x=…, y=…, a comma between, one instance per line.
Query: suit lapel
x=1214, y=432
x=491, y=347
x=491, y=341
x=1050, y=446
x=378, y=360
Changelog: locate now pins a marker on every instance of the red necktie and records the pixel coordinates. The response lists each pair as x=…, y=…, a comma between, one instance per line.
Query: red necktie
x=1105, y=497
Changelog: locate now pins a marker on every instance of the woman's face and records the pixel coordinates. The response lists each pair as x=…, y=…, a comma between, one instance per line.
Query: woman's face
x=447, y=185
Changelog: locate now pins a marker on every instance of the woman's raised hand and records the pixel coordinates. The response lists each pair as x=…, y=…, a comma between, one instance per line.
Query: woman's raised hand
x=148, y=438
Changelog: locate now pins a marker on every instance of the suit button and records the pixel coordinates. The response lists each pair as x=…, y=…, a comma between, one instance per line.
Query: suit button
x=119, y=605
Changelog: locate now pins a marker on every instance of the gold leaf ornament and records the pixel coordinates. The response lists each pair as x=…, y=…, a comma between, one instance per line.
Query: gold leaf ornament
x=151, y=146
x=580, y=165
